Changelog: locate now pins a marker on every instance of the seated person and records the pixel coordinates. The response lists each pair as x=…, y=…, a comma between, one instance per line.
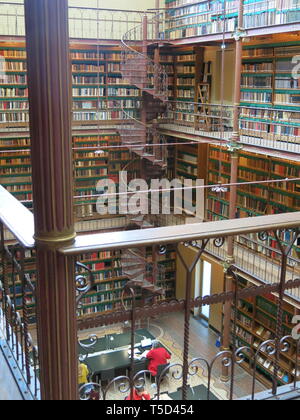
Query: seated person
x=158, y=356
x=83, y=374
x=139, y=395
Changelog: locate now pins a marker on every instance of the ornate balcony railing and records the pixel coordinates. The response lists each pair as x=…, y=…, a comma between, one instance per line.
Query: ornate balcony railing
x=84, y=22
x=218, y=17
x=199, y=236
x=182, y=372
x=17, y=296
x=266, y=128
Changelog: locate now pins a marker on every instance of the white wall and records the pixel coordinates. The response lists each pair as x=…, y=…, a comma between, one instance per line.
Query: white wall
x=115, y=4
x=12, y=20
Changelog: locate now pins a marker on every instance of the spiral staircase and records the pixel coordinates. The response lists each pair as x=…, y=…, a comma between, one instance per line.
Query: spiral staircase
x=145, y=142
x=141, y=71
x=142, y=272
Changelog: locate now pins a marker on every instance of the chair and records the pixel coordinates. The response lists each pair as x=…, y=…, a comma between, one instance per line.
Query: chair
x=160, y=369
x=138, y=367
x=106, y=376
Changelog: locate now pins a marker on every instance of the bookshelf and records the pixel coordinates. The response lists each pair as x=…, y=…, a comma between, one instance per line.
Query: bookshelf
x=189, y=18
x=254, y=200
x=256, y=323
x=98, y=90
x=190, y=164
x=270, y=91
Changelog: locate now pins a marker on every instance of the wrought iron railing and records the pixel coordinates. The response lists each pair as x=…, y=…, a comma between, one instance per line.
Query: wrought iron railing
x=184, y=370
x=84, y=22
x=17, y=316
x=217, y=17
x=259, y=127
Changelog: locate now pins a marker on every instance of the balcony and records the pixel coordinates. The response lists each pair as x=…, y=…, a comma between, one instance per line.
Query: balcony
x=203, y=237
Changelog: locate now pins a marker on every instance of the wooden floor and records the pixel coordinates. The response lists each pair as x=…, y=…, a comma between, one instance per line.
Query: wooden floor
x=203, y=344
x=170, y=330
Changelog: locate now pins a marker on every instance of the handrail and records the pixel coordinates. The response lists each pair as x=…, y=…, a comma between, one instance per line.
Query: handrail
x=180, y=233
x=17, y=218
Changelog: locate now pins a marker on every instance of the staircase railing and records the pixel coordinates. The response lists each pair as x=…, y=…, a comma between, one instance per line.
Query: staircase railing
x=136, y=65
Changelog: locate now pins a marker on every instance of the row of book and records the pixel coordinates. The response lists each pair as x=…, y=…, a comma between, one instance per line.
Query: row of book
x=15, y=171
x=185, y=81
x=273, y=115
x=105, y=139
x=19, y=79
x=15, y=53
x=9, y=161
x=103, y=116
x=245, y=335
x=88, y=80
x=263, y=97
x=103, y=297
x=287, y=98
x=12, y=105
x=88, y=68
x=258, y=82
x=13, y=92
x=13, y=117
x=102, y=287
x=91, y=172
x=185, y=93
x=13, y=66
x=107, y=104
x=89, y=92
x=287, y=83
x=185, y=57
x=258, y=52
x=258, y=67
x=186, y=69
x=75, y=55
x=203, y=29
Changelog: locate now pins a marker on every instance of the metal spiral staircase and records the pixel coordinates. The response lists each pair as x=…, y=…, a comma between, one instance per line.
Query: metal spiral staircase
x=142, y=271
x=143, y=139
x=139, y=70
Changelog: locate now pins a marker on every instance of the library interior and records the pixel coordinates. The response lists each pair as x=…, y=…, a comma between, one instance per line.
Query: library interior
x=150, y=187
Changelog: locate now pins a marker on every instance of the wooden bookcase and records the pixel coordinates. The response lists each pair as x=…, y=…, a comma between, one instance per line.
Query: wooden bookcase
x=99, y=93
x=186, y=18
x=267, y=83
x=191, y=164
x=256, y=323
x=254, y=200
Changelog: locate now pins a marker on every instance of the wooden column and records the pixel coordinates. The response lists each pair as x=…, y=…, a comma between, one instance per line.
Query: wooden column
x=49, y=82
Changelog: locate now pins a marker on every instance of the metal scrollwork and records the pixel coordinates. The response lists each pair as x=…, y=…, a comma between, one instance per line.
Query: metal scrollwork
x=121, y=383
x=90, y=391
x=219, y=242
x=86, y=347
x=194, y=366
x=84, y=281
x=240, y=356
x=284, y=344
x=263, y=236
x=162, y=250
x=176, y=370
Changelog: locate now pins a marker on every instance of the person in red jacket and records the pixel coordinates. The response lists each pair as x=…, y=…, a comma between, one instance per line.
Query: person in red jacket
x=139, y=395
x=158, y=356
